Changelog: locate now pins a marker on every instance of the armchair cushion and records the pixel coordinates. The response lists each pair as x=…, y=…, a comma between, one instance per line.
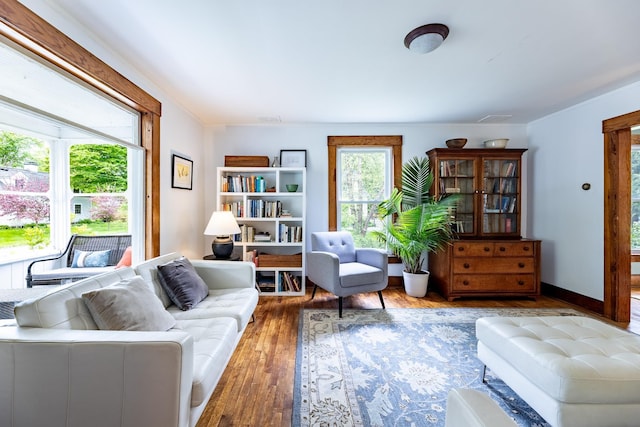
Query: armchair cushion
x=128, y=306
x=338, y=242
x=357, y=274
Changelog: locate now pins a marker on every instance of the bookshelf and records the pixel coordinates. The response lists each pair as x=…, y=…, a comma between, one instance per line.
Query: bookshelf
x=490, y=258
x=488, y=183
x=272, y=221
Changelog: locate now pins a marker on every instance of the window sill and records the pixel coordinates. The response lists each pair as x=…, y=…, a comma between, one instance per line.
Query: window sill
x=16, y=254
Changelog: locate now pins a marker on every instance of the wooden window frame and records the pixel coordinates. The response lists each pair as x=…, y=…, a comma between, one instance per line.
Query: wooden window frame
x=335, y=142
x=23, y=27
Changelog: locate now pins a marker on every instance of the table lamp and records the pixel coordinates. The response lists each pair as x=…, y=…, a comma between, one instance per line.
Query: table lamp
x=222, y=225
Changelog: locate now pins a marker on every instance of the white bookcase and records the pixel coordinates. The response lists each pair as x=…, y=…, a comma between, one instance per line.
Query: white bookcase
x=273, y=222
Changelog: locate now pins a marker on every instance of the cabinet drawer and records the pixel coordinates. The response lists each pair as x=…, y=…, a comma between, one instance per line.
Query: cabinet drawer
x=466, y=249
x=502, y=283
x=513, y=249
x=493, y=265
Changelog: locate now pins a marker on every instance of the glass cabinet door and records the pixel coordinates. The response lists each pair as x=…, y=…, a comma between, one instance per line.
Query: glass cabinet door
x=457, y=176
x=487, y=183
x=500, y=196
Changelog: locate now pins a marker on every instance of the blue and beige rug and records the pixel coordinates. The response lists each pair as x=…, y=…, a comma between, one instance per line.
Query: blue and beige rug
x=395, y=367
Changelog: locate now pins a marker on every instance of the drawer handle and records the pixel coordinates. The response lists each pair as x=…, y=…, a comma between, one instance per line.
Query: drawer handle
x=521, y=282
x=502, y=249
x=521, y=264
x=526, y=248
x=465, y=282
x=487, y=249
x=460, y=249
x=466, y=265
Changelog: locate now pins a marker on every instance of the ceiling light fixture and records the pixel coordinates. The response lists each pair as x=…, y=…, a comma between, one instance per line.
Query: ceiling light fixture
x=426, y=38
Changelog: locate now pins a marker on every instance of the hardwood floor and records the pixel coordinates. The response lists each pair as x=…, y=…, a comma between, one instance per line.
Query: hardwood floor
x=257, y=386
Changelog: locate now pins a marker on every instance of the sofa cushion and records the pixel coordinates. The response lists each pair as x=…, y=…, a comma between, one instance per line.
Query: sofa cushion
x=64, y=307
x=182, y=283
x=149, y=272
x=129, y=305
x=213, y=343
x=236, y=303
x=83, y=259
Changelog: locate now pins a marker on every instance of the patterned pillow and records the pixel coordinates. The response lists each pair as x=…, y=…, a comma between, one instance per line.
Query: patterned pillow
x=182, y=283
x=90, y=259
x=129, y=305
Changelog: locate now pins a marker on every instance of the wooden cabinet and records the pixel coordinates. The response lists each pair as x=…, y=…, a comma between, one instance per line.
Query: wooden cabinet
x=487, y=268
x=487, y=182
x=491, y=258
x=272, y=220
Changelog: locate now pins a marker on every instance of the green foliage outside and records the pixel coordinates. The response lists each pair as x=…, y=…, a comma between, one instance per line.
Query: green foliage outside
x=362, y=179
x=98, y=168
x=38, y=236
x=17, y=150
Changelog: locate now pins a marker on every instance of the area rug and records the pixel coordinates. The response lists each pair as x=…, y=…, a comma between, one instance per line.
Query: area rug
x=395, y=367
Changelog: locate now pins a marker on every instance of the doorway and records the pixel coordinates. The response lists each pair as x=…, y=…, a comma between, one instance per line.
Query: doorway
x=617, y=215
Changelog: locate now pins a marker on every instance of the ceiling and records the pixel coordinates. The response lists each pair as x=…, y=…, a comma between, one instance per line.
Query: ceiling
x=344, y=61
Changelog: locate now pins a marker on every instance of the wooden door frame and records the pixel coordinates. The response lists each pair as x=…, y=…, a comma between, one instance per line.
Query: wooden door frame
x=617, y=215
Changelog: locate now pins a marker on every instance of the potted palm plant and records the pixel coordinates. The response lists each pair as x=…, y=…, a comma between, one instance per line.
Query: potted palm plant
x=415, y=223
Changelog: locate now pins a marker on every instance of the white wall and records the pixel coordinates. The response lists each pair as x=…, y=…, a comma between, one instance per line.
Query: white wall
x=181, y=211
x=268, y=140
x=565, y=151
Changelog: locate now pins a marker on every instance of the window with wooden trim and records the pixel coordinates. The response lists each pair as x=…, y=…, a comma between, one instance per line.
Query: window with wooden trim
x=362, y=172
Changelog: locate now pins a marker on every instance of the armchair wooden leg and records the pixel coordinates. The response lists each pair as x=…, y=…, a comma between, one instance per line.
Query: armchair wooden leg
x=340, y=307
x=381, y=300
x=313, y=294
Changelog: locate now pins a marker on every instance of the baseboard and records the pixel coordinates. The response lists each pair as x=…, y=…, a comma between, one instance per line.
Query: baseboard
x=573, y=298
x=395, y=281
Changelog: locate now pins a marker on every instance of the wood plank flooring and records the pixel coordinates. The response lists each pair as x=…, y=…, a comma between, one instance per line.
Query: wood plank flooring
x=257, y=386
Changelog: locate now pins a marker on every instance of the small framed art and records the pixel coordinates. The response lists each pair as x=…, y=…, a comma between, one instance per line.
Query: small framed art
x=293, y=158
x=181, y=172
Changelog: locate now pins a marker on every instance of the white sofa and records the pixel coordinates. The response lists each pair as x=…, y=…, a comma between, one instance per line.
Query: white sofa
x=58, y=369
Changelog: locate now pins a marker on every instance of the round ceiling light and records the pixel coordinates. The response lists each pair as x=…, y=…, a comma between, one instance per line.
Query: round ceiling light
x=426, y=38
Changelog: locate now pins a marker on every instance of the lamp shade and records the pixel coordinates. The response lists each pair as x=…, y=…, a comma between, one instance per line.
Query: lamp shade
x=222, y=223
x=426, y=38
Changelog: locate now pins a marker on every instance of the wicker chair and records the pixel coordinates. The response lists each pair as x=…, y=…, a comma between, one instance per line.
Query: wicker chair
x=117, y=244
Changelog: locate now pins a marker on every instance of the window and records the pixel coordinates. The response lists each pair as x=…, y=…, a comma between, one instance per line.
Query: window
x=364, y=180
x=66, y=163
x=26, y=32
x=362, y=172
x=635, y=199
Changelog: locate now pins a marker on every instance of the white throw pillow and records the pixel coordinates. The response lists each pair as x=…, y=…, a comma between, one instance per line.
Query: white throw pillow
x=129, y=305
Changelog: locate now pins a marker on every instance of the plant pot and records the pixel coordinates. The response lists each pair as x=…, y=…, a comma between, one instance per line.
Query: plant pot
x=415, y=285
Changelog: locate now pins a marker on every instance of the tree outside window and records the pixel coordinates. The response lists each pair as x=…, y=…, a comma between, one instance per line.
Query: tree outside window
x=364, y=181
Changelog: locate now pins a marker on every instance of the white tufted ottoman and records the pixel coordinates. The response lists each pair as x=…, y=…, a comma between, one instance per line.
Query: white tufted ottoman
x=574, y=371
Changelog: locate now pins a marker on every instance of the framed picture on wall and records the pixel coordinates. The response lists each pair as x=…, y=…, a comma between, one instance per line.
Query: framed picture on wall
x=181, y=172
x=293, y=158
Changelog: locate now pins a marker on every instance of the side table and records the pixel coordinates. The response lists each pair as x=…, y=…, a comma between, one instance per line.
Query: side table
x=214, y=258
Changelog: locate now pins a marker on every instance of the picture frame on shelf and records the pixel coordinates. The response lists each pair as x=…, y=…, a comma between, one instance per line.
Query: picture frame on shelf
x=293, y=158
x=181, y=172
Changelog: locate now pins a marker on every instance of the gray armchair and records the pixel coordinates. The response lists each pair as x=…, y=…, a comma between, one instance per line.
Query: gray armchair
x=335, y=265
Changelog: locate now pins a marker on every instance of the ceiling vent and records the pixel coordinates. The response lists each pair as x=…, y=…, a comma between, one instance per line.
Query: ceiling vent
x=495, y=118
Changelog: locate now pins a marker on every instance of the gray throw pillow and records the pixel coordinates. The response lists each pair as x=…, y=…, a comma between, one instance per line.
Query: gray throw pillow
x=182, y=283
x=129, y=305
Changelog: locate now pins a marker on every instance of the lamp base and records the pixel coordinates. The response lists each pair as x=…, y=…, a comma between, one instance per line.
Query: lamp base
x=222, y=247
